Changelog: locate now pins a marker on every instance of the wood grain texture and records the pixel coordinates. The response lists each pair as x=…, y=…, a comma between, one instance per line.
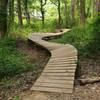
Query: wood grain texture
x=58, y=74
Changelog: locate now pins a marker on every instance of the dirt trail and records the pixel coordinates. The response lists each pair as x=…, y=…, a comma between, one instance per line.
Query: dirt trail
x=89, y=67
x=88, y=92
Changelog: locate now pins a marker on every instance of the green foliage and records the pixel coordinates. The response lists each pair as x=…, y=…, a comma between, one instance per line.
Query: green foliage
x=85, y=39
x=36, y=26
x=12, y=61
x=17, y=98
x=18, y=31
x=49, y=26
x=94, y=45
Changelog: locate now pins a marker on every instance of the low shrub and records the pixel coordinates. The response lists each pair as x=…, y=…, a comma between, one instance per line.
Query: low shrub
x=12, y=61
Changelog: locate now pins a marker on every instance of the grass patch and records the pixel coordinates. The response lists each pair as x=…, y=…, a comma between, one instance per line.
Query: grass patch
x=35, y=26
x=20, y=31
x=12, y=61
x=85, y=39
x=49, y=26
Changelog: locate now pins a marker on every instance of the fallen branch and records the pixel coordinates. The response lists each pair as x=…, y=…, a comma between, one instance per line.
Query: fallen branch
x=89, y=80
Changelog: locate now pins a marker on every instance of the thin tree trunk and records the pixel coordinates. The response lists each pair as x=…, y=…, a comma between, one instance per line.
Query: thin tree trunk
x=78, y=10
x=42, y=12
x=42, y=4
x=59, y=13
x=59, y=18
x=88, y=9
x=11, y=11
x=94, y=8
x=19, y=12
x=65, y=11
x=97, y=6
x=82, y=12
x=3, y=17
x=72, y=15
x=26, y=11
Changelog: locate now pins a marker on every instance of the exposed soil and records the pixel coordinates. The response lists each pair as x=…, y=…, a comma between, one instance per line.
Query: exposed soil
x=89, y=68
x=24, y=81
x=21, y=84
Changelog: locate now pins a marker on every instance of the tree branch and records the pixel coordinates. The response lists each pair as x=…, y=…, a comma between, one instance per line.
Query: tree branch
x=54, y=3
x=44, y=3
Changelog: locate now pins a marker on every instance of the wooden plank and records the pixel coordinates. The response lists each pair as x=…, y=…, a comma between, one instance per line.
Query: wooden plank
x=60, y=65
x=59, y=74
x=51, y=89
x=66, y=82
x=59, y=58
x=62, y=60
x=56, y=78
x=54, y=85
x=57, y=71
x=56, y=75
x=60, y=68
x=64, y=48
x=65, y=52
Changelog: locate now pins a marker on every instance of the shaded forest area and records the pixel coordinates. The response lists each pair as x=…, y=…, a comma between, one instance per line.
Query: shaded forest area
x=20, y=63
x=60, y=13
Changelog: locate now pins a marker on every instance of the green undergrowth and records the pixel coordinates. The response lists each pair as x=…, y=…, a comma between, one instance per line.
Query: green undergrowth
x=20, y=31
x=12, y=61
x=86, y=39
x=50, y=25
x=35, y=26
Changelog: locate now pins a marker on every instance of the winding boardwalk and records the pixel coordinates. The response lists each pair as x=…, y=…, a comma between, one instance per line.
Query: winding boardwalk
x=58, y=74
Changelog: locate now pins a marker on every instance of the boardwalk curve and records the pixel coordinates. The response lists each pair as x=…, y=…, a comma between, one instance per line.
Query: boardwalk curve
x=58, y=74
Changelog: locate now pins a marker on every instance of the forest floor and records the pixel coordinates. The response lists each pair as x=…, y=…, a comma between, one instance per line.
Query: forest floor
x=20, y=89
x=24, y=81
x=89, y=67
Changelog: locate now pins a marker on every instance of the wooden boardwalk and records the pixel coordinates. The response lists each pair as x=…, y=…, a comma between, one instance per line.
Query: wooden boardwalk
x=58, y=74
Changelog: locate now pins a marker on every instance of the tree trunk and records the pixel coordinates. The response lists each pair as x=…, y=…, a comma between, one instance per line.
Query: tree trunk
x=11, y=11
x=88, y=9
x=43, y=18
x=26, y=12
x=59, y=18
x=65, y=11
x=72, y=15
x=96, y=7
x=19, y=12
x=3, y=17
x=99, y=7
x=42, y=4
x=82, y=12
x=42, y=13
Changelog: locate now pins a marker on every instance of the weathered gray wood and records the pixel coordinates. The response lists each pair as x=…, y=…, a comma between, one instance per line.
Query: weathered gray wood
x=65, y=82
x=55, y=85
x=62, y=60
x=89, y=80
x=61, y=65
x=56, y=78
x=58, y=58
x=60, y=68
x=52, y=89
x=59, y=71
x=58, y=74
